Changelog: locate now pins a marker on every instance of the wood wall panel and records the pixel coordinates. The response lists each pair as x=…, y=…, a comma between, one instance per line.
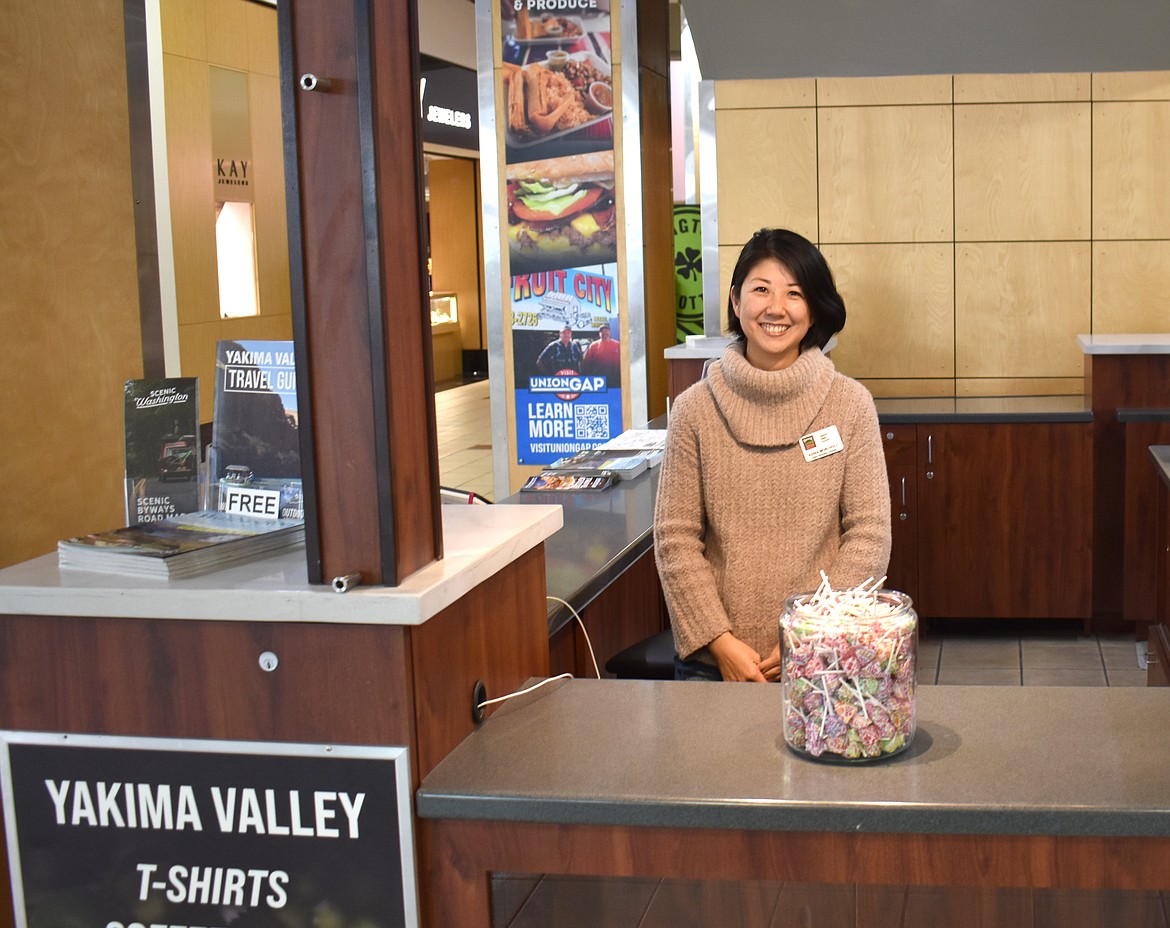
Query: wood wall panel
x=271, y=215
x=1130, y=286
x=752, y=95
x=192, y=188
x=455, y=250
x=895, y=387
x=183, y=24
x=263, y=44
x=1131, y=85
x=1033, y=157
x=1009, y=300
x=1022, y=171
x=884, y=91
x=227, y=33
x=1131, y=186
x=1021, y=88
x=900, y=303
x=885, y=174
x=767, y=172
x=1018, y=386
x=69, y=299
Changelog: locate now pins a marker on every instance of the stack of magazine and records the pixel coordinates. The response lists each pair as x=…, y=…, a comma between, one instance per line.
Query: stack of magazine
x=631, y=453
x=181, y=546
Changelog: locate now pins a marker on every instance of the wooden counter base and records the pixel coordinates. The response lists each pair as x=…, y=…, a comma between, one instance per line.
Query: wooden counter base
x=460, y=857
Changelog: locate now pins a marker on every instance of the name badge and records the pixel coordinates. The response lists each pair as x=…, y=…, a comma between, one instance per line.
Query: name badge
x=821, y=443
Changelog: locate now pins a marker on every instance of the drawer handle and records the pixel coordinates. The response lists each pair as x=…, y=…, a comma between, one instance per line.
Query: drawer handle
x=903, y=492
x=929, y=449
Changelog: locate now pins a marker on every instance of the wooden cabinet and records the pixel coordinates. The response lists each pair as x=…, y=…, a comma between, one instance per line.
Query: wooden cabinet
x=998, y=518
x=629, y=609
x=1158, y=657
x=901, y=446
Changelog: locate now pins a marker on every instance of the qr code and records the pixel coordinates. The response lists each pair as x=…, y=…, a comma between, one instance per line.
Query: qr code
x=591, y=421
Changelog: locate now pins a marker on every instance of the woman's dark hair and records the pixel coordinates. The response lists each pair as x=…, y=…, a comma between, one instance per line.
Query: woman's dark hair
x=806, y=263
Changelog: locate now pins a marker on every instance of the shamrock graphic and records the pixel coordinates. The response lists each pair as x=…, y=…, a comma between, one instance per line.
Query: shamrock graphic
x=687, y=263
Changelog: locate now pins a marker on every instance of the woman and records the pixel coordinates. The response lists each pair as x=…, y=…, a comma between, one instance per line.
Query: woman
x=773, y=471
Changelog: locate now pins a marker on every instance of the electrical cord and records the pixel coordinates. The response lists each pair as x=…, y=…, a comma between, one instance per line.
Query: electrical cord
x=588, y=643
x=563, y=676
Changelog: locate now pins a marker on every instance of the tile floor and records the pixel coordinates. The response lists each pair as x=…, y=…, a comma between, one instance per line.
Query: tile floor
x=464, y=419
x=968, y=653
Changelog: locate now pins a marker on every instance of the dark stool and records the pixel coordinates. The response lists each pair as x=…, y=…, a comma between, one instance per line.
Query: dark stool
x=649, y=659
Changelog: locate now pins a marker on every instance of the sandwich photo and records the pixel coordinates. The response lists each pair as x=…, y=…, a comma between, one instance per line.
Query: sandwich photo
x=561, y=212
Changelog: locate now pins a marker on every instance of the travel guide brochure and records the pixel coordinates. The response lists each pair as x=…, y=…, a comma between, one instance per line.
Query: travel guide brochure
x=255, y=439
x=182, y=546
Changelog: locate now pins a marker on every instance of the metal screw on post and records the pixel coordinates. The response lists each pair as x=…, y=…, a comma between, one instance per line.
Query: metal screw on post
x=313, y=82
x=269, y=661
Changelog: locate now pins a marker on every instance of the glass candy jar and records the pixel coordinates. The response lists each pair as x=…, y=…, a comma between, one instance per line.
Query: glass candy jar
x=847, y=663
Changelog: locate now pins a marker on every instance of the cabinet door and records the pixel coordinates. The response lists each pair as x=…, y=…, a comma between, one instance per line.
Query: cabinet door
x=1158, y=667
x=900, y=445
x=1005, y=520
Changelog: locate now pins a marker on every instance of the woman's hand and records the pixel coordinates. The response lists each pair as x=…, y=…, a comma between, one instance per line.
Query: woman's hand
x=737, y=661
x=770, y=666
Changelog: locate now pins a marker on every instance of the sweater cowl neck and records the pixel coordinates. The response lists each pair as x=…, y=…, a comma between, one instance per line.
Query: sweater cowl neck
x=769, y=408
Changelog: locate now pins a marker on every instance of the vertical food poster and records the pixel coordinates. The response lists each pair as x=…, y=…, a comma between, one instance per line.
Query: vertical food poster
x=563, y=317
x=567, y=361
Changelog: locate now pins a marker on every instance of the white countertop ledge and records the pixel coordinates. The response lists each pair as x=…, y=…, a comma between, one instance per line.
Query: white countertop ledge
x=478, y=541
x=699, y=346
x=1149, y=343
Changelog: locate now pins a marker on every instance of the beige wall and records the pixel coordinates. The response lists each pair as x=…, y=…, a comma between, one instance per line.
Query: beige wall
x=69, y=300
x=976, y=224
x=239, y=35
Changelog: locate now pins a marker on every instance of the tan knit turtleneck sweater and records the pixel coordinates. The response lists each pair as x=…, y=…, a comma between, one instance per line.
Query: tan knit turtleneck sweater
x=742, y=520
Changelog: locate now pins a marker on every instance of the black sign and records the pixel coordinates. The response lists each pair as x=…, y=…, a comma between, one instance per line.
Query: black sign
x=450, y=105
x=147, y=832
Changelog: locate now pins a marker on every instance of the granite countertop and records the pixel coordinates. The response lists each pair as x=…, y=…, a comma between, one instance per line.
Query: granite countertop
x=604, y=534
x=711, y=755
x=1161, y=456
x=1138, y=343
x=478, y=541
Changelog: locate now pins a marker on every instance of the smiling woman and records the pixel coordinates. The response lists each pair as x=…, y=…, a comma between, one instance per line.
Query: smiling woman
x=773, y=472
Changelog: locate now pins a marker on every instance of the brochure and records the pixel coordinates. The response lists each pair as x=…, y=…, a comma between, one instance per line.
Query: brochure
x=161, y=422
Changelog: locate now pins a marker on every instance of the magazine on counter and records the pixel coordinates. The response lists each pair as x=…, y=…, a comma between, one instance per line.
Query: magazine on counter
x=622, y=464
x=182, y=546
x=550, y=481
x=161, y=425
x=255, y=445
x=636, y=440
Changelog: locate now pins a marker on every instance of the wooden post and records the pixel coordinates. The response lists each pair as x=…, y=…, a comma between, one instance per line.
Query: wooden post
x=361, y=321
